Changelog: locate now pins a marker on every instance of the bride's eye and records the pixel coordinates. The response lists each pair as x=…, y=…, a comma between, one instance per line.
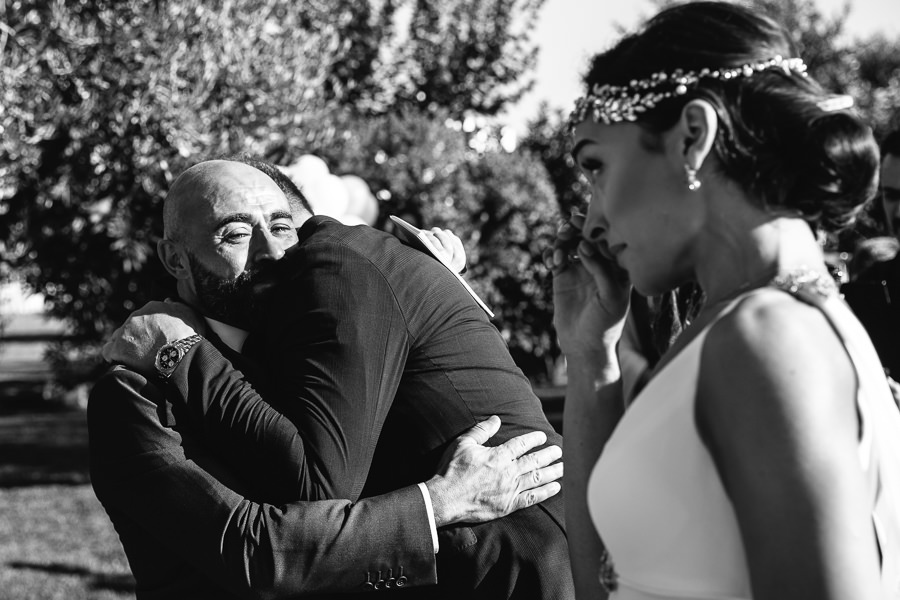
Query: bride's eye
x=591, y=168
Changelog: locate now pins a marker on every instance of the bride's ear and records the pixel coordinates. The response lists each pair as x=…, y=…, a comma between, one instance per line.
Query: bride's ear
x=695, y=133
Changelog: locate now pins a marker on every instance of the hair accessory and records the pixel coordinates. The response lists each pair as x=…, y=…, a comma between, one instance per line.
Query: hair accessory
x=615, y=103
x=836, y=103
x=690, y=175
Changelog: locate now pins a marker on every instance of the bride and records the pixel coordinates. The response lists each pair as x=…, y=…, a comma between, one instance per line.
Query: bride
x=761, y=459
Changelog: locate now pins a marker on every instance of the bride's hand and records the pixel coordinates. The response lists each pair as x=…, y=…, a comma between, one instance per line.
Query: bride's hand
x=590, y=292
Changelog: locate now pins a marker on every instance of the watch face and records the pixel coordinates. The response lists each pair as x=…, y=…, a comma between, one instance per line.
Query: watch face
x=168, y=358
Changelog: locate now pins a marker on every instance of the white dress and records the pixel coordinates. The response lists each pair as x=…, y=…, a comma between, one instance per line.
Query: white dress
x=656, y=499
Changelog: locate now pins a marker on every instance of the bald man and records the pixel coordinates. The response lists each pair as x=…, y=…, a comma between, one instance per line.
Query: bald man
x=193, y=518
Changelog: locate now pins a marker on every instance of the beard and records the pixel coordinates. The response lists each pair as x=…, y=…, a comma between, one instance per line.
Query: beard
x=234, y=301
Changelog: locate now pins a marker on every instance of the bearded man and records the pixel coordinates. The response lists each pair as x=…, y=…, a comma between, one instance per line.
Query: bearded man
x=196, y=519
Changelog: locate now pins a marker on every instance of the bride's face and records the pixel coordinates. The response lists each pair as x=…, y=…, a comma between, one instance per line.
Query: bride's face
x=640, y=211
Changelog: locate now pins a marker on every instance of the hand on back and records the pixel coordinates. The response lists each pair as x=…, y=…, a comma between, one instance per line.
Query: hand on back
x=476, y=483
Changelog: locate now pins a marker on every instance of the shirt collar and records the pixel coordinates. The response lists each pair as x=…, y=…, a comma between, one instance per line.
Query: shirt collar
x=231, y=336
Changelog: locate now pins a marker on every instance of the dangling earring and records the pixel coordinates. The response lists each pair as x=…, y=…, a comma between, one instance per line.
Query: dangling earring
x=690, y=175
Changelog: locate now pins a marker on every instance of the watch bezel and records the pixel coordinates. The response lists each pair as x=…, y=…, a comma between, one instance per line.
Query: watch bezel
x=172, y=353
x=166, y=370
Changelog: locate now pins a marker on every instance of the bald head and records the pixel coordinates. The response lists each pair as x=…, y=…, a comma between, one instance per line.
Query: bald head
x=204, y=189
x=222, y=221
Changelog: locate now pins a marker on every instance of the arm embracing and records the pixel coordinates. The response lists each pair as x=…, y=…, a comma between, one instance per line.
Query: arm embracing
x=147, y=470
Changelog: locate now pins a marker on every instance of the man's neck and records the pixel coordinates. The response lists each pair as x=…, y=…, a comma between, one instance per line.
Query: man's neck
x=233, y=337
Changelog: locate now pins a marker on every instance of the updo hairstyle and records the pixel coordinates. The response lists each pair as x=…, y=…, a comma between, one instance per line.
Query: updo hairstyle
x=774, y=140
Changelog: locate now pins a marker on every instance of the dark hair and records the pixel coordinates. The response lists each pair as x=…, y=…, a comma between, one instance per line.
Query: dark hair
x=891, y=144
x=294, y=196
x=774, y=138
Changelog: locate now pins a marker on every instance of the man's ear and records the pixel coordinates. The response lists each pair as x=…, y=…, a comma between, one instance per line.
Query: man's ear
x=696, y=133
x=174, y=258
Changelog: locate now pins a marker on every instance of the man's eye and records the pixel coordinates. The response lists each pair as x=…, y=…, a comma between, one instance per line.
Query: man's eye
x=281, y=228
x=235, y=237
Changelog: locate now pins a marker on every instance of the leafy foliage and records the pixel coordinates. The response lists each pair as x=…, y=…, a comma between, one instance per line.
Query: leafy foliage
x=105, y=102
x=468, y=55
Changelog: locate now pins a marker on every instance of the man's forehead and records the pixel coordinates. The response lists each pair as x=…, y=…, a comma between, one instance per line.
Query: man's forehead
x=237, y=194
x=235, y=187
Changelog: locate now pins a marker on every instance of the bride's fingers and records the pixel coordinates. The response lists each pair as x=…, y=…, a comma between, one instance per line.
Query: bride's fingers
x=600, y=264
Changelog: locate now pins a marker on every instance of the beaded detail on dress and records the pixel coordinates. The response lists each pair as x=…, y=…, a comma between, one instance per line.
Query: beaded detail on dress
x=806, y=282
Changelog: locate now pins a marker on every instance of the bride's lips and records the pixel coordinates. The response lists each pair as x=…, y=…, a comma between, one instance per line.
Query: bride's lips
x=616, y=251
x=603, y=248
x=610, y=252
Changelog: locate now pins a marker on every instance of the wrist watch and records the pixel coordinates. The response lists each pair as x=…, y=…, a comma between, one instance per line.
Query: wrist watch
x=168, y=357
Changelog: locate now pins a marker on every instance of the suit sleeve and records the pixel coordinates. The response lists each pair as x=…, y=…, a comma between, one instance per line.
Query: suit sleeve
x=257, y=442
x=150, y=472
x=339, y=345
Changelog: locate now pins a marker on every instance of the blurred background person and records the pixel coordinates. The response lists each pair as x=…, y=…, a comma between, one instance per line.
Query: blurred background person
x=874, y=291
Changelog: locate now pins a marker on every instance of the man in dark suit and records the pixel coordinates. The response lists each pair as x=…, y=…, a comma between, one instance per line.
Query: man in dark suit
x=194, y=523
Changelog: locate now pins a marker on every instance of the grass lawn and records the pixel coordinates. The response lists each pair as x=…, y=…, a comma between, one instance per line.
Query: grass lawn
x=55, y=539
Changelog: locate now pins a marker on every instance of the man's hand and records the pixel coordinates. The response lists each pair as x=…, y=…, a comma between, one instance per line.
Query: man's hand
x=148, y=329
x=476, y=484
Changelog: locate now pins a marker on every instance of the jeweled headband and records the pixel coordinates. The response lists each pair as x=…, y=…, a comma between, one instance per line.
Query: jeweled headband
x=616, y=103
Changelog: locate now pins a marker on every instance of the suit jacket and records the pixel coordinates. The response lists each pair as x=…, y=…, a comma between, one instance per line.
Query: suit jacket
x=875, y=299
x=192, y=527
x=380, y=359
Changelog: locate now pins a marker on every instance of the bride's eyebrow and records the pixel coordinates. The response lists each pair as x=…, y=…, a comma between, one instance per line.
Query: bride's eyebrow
x=578, y=148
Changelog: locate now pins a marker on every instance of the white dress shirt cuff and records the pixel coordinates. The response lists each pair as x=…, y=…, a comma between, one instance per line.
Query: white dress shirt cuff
x=429, y=509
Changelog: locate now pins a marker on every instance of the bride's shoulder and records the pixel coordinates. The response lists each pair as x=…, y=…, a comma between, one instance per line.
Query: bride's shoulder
x=776, y=344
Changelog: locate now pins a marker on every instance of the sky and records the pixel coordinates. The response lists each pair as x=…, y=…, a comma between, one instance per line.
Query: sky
x=570, y=31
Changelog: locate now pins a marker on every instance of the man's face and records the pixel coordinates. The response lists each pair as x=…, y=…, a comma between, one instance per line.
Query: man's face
x=890, y=192
x=233, y=237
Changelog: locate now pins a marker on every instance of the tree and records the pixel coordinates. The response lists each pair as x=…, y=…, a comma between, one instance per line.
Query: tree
x=548, y=138
x=467, y=56
x=105, y=102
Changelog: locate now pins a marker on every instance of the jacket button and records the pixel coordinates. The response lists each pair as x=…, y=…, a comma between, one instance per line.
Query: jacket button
x=390, y=582
x=401, y=581
x=379, y=585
